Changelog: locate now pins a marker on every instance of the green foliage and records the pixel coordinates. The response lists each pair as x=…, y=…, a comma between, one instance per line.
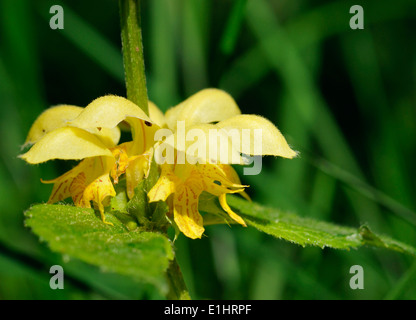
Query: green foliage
x=152, y=216
x=299, y=230
x=143, y=256
x=341, y=95
x=306, y=231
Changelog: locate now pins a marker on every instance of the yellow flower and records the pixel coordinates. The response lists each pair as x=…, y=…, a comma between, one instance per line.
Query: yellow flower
x=210, y=115
x=57, y=117
x=186, y=183
x=132, y=158
x=91, y=134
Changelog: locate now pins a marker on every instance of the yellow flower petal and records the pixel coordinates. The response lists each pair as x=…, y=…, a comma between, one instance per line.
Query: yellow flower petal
x=269, y=142
x=121, y=161
x=99, y=191
x=165, y=185
x=187, y=182
x=109, y=136
x=51, y=119
x=185, y=211
x=135, y=167
x=65, y=186
x=58, y=117
x=77, y=188
x=232, y=175
x=66, y=143
x=88, y=181
x=205, y=106
x=204, y=143
x=75, y=182
x=138, y=169
x=108, y=112
x=156, y=115
x=231, y=213
x=216, y=182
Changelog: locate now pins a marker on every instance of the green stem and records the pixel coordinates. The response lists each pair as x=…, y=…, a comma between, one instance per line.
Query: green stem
x=131, y=39
x=177, y=287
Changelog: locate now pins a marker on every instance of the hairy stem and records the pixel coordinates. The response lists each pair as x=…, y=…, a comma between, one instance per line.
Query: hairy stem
x=177, y=287
x=131, y=39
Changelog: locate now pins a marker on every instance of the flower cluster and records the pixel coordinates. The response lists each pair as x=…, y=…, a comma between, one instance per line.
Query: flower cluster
x=92, y=135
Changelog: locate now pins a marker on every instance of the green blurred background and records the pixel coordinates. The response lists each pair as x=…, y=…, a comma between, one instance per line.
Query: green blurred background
x=345, y=98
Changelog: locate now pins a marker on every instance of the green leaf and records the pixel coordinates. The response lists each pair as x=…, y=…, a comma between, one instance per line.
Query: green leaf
x=120, y=201
x=301, y=230
x=296, y=229
x=79, y=233
x=152, y=216
x=138, y=206
x=370, y=238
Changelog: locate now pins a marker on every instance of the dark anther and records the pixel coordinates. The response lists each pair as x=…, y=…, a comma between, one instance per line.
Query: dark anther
x=147, y=123
x=217, y=182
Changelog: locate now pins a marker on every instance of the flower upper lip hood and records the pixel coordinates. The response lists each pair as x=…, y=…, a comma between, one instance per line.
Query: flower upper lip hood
x=272, y=142
x=206, y=106
x=57, y=117
x=82, y=136
x=66, y=143
x=109, y=111
x=210, y=114
x=213, y=111
x=156, y=115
